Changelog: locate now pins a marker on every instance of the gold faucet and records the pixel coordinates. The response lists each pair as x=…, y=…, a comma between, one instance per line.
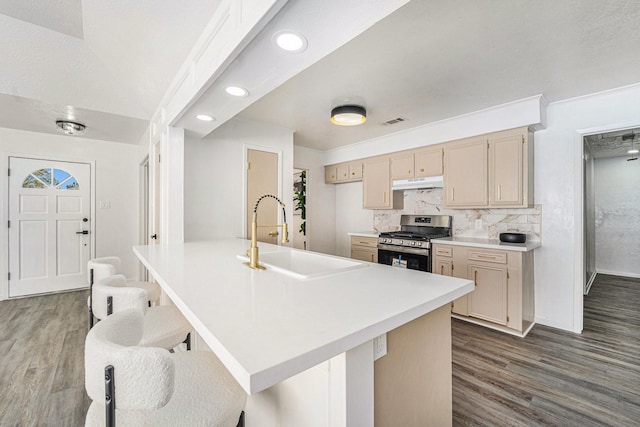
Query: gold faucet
x=254, y=262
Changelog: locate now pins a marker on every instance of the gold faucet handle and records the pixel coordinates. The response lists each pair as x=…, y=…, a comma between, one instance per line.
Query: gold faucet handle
x=285, y=233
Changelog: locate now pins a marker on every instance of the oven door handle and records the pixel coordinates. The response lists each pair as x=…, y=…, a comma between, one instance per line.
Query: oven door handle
x=403, y=250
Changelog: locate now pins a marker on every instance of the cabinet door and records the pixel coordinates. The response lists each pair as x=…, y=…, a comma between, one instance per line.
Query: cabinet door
x=488, y=301
x=465, y=174
x=343, y=172
x=364, y=254
x=355, y=171
x=428, y=162
x=506, y=171
x=442, y=266
x=376, y=184
x=330, y=174
x=402, y=166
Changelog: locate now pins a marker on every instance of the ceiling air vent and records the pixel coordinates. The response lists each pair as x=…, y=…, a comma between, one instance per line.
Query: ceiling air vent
x=394, y=121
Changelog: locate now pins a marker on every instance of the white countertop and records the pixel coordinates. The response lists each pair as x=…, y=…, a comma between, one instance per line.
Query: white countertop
x=370, y=233
x=266, y=326
x=489, y=244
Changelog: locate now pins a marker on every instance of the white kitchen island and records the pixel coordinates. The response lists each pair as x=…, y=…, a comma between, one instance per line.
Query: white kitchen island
x=310, y=341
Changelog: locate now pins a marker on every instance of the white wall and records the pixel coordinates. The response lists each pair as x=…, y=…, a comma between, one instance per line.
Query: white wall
x=559, y=265
x=351, y=216
x=214, y=177
x=321, y=201
x=617, y=198
x=116, y=172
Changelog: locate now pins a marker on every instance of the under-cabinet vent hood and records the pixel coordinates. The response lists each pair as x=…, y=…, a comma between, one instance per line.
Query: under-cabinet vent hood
x=418, y=183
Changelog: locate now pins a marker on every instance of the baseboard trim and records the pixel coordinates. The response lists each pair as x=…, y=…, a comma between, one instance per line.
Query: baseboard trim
x=618, y=273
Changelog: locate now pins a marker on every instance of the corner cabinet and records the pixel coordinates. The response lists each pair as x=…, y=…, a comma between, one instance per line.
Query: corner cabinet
x=364, y=248
x=503, y=295
x=494, y=170
x=376, y=185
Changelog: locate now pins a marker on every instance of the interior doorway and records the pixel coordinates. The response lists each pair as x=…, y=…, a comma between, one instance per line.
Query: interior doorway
x=611, y=202
x=263, y=178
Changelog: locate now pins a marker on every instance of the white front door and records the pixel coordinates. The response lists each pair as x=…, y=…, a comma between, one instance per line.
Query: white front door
x=49, y=214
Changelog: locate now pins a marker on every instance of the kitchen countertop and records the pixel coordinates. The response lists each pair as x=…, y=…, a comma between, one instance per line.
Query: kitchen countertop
x=488, y=244
x=266, y=326
x=370, y=233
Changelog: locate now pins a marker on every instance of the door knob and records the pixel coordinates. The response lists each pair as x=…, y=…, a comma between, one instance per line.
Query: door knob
x=82, y=232
x=154, y=236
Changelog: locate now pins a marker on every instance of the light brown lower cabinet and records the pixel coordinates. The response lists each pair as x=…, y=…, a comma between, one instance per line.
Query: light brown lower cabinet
x=503, y=295
x=364, y=248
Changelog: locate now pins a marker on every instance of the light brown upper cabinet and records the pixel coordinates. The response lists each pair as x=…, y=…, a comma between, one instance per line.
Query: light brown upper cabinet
x=509, y=169
x=402, y=166
x=330, y=174
x=376, y=185
x=492, y=170
x=428, y=162
x=343, y=172
x=465, y=173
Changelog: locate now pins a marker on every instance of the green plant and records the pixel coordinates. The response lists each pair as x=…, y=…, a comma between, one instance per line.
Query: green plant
x=300, y=199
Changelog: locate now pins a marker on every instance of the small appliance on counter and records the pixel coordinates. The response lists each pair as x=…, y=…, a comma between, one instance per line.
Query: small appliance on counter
x=513, y=237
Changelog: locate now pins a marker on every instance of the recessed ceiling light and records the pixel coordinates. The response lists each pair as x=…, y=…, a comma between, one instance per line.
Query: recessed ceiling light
x=290, y=41
x=204, y=117
x=70, y=128
x=237, y=91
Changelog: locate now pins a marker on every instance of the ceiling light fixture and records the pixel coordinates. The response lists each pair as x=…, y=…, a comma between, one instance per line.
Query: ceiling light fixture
x=204, y=118
x=290, y=41
x=348, y=115
x=70, y=128
x=237, y=91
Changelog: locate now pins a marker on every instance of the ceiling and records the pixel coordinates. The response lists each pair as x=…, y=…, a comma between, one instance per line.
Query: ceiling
x=108, y=63
x=435, y=59
x=614, y=144
x=104, y=63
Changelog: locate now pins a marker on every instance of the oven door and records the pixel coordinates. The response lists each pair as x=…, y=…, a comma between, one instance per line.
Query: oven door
x=413, y=258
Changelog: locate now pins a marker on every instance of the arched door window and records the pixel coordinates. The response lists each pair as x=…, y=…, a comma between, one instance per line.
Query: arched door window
x=51, y=178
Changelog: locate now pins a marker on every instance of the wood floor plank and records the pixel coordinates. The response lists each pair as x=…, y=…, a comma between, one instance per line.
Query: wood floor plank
x=584, y=379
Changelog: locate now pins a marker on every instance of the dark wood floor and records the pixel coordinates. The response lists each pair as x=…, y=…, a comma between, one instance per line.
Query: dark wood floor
x=551, y=377
x=42, y=360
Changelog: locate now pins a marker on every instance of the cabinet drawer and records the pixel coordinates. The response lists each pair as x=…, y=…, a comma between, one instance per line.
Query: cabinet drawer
x=499, y=257
x=444, y=251
x=370, y=242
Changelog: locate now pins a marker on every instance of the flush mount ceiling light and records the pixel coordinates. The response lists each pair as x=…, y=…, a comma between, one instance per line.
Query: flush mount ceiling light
x=348, y=115
x=237, y=91
x=70, y=128
x=290, y=41
x=204, y=117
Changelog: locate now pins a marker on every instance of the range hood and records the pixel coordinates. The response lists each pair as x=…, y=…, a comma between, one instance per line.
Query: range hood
x=417, y=183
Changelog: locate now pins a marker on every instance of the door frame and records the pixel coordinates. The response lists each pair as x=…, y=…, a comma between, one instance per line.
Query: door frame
x=245, y=156
x=4, y=213
x=579, y=224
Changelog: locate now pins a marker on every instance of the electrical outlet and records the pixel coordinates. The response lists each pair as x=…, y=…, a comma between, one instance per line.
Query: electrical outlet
x=379, y=346
x=105, y=204
x=478, y=224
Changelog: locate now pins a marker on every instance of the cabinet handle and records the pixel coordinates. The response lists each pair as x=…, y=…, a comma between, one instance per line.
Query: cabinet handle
x=486, y=256
x=384, y=197
x=452, y=194
x=371, y=257
x=409, y=171
x=475, y=277
x=442, y=270
x=353, y=173
x=499, y=192
x=421, y=169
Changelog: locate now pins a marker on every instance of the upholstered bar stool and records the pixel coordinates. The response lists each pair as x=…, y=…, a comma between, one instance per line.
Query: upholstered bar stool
x=163, y=325
x=98, y=268
x=139, y=386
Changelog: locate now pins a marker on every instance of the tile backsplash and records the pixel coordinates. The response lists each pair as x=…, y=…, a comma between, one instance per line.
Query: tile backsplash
x=494, y=220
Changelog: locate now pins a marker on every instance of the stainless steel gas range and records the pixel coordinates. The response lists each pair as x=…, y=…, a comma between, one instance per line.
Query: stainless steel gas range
x=411, y=246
